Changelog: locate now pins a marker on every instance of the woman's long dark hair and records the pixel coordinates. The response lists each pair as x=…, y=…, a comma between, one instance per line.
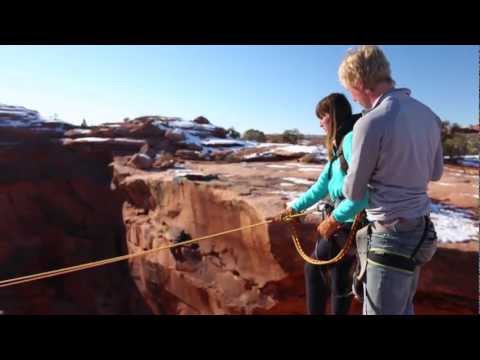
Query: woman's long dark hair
x=342, y=120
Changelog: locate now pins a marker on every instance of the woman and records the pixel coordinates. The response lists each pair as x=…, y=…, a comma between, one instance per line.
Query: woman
x=335, y=114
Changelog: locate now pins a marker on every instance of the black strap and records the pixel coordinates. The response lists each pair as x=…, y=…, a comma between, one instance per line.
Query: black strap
x=424, y=236
x=397, y=261
x=330, y=168
x=343, y=163
x=341, y=158
x=392, y=260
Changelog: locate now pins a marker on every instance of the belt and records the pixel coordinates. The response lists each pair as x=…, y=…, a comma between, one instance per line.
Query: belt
x=398, y=220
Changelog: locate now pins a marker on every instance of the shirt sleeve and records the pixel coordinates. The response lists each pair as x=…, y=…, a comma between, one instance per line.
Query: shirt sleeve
x=364, y=153
x=438, y=162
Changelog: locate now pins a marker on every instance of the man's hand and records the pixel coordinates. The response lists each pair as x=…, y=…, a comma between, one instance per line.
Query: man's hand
x=328, y=227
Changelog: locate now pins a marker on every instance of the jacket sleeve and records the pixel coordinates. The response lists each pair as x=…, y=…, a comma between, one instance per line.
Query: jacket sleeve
x=347, y=208
x=316, y=192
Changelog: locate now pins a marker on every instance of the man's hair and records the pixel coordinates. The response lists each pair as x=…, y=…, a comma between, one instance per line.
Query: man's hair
x=367, y=64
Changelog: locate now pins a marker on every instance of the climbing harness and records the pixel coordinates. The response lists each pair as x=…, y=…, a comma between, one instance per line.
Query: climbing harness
x=398, y=261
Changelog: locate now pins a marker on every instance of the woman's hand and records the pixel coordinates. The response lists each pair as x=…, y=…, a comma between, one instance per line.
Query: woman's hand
x=328, y=227
x=282, y=215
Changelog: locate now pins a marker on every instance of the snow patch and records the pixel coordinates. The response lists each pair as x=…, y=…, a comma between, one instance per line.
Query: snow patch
x=298, y=181
x=220, y=142
x=453, y=224
x=278, y=166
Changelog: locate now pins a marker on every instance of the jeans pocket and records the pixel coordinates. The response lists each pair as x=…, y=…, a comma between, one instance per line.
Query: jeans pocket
x=429, y=246
x=425, y=253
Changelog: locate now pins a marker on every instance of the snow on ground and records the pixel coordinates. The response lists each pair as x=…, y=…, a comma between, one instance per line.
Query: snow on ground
x=111, y=125
x=190, y=125
x=18, y=116
x=298, y=149
x=259, y=155
x=291, y=196
x=467, y=160
x=112, y=140
x=471, y=163
x=453, y=224
x=464, y=175
x=80, y=131
x=222, y=142
x=275, y=166
x=283, y=149
x=445, y=184
x=90, y=139
x=309, y=169
x=179, y=173
x=191, y=139
x=298, y=181
x=265, y=144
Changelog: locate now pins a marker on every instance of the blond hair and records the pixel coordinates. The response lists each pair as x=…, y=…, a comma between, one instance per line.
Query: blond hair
x=366, y=64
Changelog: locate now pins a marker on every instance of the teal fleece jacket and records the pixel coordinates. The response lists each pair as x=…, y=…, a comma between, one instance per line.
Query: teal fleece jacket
x=346, y=210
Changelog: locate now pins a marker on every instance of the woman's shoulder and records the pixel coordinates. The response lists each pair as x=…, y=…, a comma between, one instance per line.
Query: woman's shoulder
x=347, y=139
x=347, y=145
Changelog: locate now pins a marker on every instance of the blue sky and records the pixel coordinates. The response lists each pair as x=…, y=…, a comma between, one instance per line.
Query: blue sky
x=271, y=88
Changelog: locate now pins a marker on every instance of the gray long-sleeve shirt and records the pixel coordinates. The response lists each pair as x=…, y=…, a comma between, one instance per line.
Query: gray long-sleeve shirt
x=396, y=151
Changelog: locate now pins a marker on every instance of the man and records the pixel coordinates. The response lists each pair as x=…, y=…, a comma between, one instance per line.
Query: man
x=396, y=151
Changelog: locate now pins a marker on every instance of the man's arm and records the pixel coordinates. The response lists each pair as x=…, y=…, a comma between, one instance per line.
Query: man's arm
x=438, y=162
x=365, y=151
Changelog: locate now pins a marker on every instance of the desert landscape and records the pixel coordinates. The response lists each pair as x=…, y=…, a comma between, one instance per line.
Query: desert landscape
x=71, y=195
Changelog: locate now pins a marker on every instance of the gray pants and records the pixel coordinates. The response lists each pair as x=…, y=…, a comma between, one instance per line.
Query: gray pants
x=388, y=290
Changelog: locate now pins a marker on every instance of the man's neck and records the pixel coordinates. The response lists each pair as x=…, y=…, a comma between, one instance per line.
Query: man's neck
x=380, y=89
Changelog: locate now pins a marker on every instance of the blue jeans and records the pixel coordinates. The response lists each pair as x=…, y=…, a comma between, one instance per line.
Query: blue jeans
x=388, y=290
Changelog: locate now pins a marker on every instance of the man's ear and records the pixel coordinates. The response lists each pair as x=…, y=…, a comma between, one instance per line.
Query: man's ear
x=367, y=91
x=360, y=86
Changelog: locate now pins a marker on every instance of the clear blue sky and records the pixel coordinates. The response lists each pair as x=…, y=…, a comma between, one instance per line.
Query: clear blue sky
x=271, y=88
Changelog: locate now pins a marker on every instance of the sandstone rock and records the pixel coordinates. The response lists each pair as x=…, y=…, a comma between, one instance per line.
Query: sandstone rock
x=112, y=145
x=219, y=132
x=145, y=130
x=141, y=161
x=164, y=161
x=201, y=120
x=175, y=135
x=222, y=155
x=57, y=211
x=162, y=145
x=55, y=200
x=312, y=159
x=148, y=150
x=188, y=154
x=189, y=146
x=256, y=271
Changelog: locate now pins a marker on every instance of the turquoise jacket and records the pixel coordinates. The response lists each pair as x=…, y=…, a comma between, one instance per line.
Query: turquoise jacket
x=346, y=210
